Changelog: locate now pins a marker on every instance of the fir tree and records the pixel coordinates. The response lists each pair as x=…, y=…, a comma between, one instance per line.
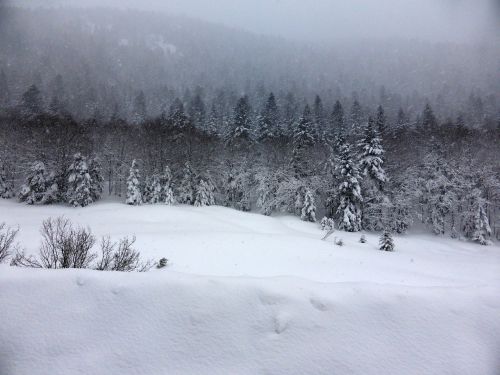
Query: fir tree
x=134, y=195
x=269, y=120
x=31, y=101
x=5, y=186
x=177, y=114
x=303, y=140
x=187, y=186
x=197, y=112
x=356, y=116
x=96, y=178
x=349, y=191
x=204, y=193
x=155, y=189
x=429, y=121
x=240, y=134
x=79, y=190
x=40, y=186
x=381, y=121
x=318, y=118
x=372, y=156
x=338, y=124
x=476, y=226
x=308, y=212
x=139, y=114
x=386, y=242
x=167, y=192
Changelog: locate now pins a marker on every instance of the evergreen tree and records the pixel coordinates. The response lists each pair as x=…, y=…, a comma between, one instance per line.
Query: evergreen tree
x=308, y=212
x=96, y=178
x=429, y=121
x=167, y=192
x=40, y=186
x=349, y=191
x=140, y=112
x=402, y=121
x=177, y=114
x=356, y=116
x=187, y=186
x=318, y=118
x=155, y=189
x=4, y=89
x=381, y=121
x=476, y=225
x=303, y=140
x=338, y=124
x=372, y=156
x=5, y=186
x=79, y=190
x=204, y=193
x=213, y=121
x=197, y=112
x=134, y=195
x=31, y=101
x=269, y=120
x=386, y=242
x=240, y=135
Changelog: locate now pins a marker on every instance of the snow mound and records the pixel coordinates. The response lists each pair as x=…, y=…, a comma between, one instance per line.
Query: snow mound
x=86, y=322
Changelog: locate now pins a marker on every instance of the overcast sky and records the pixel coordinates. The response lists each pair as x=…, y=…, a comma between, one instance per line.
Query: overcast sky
x=451, y=20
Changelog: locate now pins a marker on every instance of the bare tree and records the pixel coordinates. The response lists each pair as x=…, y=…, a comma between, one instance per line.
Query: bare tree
x=7, y=238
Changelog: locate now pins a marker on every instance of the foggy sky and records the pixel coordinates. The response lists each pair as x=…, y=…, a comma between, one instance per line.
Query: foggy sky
x=324, y=20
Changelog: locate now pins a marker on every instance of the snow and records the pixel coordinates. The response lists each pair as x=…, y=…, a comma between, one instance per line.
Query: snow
x=249, y=294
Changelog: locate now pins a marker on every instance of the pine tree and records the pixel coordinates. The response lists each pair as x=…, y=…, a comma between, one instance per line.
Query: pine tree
x=187, y=186
x=204, y=193
x=96, y=178
x=31, y=101
x=134, y=195
x=269, y=120
x=318, y=119
x=372, y=155
x=356, y=116
x=197, y=112
x=177, y=114
x=429, y=121
x=167, y=192
x=381, y=121
x=79, y=182
x=155, y=189
x=140, y=112
x=308, y=212
x=386, y=242
x=303, y=140
x=240, y=134
x=39, y=187
x=476, y=226
x=349, y=191
x=338, y=124
x=5, y=186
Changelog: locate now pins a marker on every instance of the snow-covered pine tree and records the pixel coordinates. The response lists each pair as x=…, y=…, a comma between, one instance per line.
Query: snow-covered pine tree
x=186, y=191
x=6, y=191
x=400, y=217
x=309, y=209
x=204, y=193
x=386, y=242
x=267, y=185
x=167, y=191
x=349, y=190
x=303, y=140
x=327, y=224
x=155, y=189
x=96, y=178
x=476, y=225
x=79, y=188
x=134, y=194
x=39, y=187
x=318, y=119
x=371, y=164
x=337, y=121
x=240, y=134
x=268, y=120
x=381, y=121
x=372, y=155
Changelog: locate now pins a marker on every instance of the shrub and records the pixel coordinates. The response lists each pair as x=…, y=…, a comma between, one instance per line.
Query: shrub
x=7, y=238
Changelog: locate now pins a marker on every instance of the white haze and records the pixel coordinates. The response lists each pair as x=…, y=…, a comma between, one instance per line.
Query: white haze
x=326, y=20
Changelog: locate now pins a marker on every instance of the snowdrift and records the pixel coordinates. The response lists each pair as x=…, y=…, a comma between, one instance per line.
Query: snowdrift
x=88, y=322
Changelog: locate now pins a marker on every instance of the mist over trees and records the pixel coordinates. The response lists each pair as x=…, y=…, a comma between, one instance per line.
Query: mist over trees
x=376, y=135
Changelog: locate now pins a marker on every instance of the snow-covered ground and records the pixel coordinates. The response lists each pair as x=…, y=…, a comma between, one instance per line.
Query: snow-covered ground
x=249, y=294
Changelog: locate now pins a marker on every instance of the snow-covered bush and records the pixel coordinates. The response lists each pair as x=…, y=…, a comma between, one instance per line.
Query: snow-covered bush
x=162, y=263
x=134, y=195
x=339, y=241
x=7, y=238
x=362, y=239
x=327, y=224
x=204, y=195
x=386, y=242
x=66, y=246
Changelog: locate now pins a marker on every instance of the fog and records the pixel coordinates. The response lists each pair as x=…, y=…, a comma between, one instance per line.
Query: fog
x=326, y=20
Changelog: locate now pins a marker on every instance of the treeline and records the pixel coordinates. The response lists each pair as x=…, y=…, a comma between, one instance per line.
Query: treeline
x=361, y=168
